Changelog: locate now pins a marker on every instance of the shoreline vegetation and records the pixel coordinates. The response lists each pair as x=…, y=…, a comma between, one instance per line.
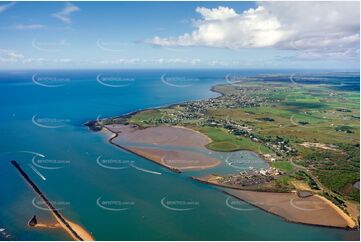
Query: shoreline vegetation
x=74, y=230
x=232, y=122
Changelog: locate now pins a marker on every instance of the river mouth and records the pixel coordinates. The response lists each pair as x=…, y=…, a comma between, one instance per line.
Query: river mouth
x=81, y=181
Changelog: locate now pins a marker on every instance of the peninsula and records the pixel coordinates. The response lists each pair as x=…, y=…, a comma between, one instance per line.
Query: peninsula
x=302, y=131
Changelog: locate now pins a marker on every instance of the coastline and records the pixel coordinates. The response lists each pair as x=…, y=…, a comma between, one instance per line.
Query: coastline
x=157, y=156
x=193, y=130
x=129, y=114
x=208, y=182
x=333, y=211
x=336, y=209
x=115, y=135
x=326, y=220
x=351, y=224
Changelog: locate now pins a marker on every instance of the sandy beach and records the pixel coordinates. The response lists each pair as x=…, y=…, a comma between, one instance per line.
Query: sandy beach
x=313, y=210
x=351, y=223
x=176, y=160
x=85, y=235
x=47, y=226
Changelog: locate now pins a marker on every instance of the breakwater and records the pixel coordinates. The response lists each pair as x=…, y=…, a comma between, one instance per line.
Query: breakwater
x=53, y=210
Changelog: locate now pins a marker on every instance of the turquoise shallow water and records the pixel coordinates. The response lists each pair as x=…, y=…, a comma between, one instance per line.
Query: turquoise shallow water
x=115, y=204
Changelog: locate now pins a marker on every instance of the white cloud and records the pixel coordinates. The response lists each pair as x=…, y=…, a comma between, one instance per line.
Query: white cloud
x=252, y=28
x=10, y=56
x=36, y=61
x=64, y=14
x=161, y=61
x=220, y=13
x=311, y=27
x=29, y=26
x=5, y=7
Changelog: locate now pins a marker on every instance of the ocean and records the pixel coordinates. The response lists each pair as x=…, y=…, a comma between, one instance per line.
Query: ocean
x=42, y=127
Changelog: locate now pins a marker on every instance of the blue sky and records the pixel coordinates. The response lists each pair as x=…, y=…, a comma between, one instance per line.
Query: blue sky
x=48, y=35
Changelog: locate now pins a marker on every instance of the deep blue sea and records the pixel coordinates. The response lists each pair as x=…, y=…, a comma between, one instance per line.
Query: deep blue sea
x=42, y=126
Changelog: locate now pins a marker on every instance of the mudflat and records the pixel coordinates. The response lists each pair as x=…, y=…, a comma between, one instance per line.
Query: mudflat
x=161, y=135
x=313, y=210
x=178, y=160
x=181, y=160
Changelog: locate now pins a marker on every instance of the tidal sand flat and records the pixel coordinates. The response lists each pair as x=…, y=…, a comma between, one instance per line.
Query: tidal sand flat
x=180, y=160
x=177, y=160
x=162, y=135
x=314, y=210
x=85, y=235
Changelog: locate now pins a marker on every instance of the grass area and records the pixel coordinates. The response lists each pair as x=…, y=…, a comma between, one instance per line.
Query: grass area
x=281, y=184
x=283, y=181
x=226, y=142
x=309, y=114
x=146, y=118
x=291, y=114
x=301, y=175
x=340, y=182
x=283, y=165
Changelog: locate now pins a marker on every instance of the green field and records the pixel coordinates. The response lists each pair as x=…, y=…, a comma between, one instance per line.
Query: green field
x=281, y=115
x=226, y=142
x=283, y=165
x=146, y=118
